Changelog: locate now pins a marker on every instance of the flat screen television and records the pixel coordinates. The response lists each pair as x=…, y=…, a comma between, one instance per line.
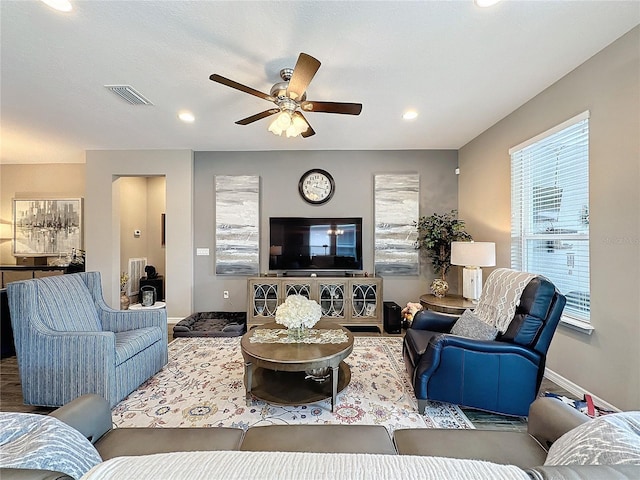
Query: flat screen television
x=299, y=244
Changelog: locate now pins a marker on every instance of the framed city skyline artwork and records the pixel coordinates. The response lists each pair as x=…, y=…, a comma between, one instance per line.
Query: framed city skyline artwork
x=46, y=227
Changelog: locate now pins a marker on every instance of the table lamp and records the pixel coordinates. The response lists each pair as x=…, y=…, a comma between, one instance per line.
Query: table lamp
x=473, y=255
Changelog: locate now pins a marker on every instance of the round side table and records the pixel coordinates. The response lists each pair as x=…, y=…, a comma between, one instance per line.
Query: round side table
x=155, y=306
x=451, y=304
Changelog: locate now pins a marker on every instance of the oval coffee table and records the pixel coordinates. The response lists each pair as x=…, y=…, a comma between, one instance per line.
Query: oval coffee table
x=276, y=372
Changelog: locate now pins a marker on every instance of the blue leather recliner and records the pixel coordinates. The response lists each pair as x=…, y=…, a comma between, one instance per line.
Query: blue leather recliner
x=501, y=375
x=69, y=342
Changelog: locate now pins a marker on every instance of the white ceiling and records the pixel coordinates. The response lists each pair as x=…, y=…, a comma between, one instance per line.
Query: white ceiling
x=463, y=68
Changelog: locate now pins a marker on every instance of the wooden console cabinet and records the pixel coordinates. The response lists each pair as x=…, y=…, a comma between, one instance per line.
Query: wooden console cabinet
x=14, y=273
x=355, y=301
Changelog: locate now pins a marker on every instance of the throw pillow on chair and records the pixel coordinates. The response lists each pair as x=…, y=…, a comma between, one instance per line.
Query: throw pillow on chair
x=469, y=325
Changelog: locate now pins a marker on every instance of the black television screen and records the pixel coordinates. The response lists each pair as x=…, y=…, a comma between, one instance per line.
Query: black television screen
x=310, y=244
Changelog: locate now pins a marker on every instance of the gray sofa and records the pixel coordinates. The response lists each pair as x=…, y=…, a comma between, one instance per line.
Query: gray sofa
x=548, y=420
x=513, y=454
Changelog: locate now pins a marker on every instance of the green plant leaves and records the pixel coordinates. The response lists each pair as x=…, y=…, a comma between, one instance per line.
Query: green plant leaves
x=435, y=234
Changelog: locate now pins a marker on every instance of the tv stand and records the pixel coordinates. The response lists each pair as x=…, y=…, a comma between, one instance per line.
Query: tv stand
x=348, y=301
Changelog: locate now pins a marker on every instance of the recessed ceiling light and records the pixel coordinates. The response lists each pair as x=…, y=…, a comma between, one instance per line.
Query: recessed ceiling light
x=60, y=5
x=485, y=3
x=186, y=117
x=410, y=115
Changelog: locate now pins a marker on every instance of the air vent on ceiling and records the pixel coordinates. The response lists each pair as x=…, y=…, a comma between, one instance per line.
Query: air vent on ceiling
x=129, y=94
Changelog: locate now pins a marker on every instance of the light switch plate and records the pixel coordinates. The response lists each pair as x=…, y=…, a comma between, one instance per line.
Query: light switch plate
x=202, y=251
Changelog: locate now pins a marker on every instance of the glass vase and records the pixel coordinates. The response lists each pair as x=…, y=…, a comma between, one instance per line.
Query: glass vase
x=124, y=301
x=298, y=333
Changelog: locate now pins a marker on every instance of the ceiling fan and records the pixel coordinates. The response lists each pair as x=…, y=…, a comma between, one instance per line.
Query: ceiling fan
x=290, y=98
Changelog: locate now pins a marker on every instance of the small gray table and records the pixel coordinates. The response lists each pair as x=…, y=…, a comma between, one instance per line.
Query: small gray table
x=275, y=372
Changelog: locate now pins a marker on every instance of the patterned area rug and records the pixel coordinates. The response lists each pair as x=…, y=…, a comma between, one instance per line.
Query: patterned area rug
x=202, y=386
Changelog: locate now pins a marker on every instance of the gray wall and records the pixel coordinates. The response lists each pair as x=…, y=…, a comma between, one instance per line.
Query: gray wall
x=607, y=363
x=279, y=173
x=102, y=219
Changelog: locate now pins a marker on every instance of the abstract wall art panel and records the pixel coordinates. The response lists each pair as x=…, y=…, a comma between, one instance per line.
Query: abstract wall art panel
x=237, y=224
x=397, y=200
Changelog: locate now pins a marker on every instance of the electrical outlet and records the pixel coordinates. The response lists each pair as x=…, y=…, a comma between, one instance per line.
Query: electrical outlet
x=225, y=294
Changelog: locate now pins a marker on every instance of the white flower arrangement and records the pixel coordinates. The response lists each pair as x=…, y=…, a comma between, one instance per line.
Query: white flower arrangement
x=298, y=311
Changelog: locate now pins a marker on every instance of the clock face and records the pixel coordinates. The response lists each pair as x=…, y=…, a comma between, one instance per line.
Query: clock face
x=316, y=186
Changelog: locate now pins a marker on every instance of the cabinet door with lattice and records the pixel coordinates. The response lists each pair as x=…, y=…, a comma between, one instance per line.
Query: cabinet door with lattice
x=331, y=297
x=297, y=287
x=365, y=297
x=263, y=301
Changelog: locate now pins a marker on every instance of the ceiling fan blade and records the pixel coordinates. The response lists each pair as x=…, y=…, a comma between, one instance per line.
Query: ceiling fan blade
x=306, y=67
x=258, y=116
x=238, y=86
x=309, y=131
x=332, y=107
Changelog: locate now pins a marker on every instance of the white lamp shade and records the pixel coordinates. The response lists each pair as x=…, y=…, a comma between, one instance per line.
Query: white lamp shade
x=473, y=254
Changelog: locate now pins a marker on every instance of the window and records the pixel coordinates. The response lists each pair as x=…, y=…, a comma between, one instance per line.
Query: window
x=550, y=211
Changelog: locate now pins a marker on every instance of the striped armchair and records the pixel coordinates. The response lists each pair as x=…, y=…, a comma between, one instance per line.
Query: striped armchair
x=69, y=342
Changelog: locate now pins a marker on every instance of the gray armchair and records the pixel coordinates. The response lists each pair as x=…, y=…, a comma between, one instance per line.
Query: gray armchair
x=69, y=342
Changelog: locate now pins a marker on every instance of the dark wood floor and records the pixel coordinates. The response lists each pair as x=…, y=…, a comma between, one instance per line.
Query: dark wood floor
x=11, y=399
x=11, y=390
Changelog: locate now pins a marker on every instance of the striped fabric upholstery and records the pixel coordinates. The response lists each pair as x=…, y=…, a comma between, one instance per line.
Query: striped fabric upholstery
x=131, y=342
x=69, y=342
x=66, y=305
x=134, y=372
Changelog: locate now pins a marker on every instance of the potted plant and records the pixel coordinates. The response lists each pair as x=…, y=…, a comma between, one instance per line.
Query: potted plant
x=124, y=299
x=435, y=234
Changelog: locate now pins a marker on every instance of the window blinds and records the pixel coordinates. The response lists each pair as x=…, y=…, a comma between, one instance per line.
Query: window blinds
x=550, y=210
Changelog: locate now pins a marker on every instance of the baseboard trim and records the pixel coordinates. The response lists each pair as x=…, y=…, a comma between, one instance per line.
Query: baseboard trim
x=577, y=390
x=173, y=320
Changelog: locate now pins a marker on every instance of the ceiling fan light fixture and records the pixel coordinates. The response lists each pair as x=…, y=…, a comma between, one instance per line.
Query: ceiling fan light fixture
x=284, y=120
x=300, y=125
x=275, y=128
x=290, y=98
x=292, y=131
x=281, y=123
x=291, y=125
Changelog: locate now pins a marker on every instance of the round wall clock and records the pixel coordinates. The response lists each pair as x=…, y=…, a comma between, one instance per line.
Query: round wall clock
x=316, y=186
